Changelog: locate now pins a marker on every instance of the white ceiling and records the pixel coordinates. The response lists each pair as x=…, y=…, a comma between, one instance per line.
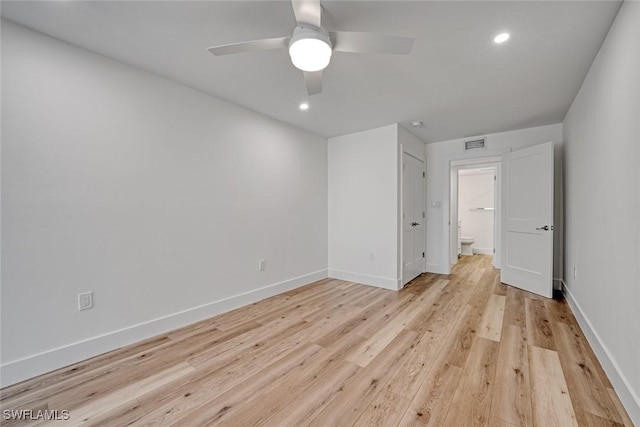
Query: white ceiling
x=456, y=80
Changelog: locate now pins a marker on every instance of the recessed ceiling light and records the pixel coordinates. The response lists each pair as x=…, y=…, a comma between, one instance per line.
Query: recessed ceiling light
x=304, y=106
x=501, y=38
x=416, y=123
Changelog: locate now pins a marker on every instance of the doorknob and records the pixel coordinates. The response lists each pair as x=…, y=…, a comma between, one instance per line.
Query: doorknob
x=413, y=224
x=545, y=228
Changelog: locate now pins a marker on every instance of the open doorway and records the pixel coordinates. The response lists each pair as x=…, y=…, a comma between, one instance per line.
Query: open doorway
x=475, y=202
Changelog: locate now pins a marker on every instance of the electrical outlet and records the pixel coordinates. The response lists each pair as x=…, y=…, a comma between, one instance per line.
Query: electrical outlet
x=575, y=272
x=262, y=265
x=85, y=301
x=372, y=256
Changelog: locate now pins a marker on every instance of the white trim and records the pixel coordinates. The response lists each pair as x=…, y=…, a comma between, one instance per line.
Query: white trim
x=367, y=279
x=627, y=395
x=482, y=251
x=452, y=160
x=21, y=369
x=455, y=166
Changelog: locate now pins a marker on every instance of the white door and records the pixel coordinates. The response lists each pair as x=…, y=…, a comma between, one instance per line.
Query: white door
x=527, y=219
x=413, y=217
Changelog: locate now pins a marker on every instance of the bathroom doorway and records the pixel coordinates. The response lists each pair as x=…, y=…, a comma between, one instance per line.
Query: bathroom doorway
x=475, y=198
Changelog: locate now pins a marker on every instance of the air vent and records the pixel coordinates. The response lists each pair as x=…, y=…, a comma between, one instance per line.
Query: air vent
x=475, y=144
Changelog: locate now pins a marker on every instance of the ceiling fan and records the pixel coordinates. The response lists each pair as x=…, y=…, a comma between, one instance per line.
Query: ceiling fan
x=310, y=46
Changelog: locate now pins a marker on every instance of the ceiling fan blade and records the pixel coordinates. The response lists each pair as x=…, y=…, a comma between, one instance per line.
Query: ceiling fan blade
x=313, y=80
x=356, y=42
x=250, y=46
x=307, y=12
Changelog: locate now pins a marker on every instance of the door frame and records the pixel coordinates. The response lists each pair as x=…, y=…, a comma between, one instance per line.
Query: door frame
x=401, y=219
x=457, y=166
x=485, y=156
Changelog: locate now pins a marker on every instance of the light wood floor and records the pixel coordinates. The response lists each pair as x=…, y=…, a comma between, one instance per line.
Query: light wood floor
x=458, y=350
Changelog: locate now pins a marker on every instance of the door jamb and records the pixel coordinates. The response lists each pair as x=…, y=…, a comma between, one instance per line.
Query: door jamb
x=483, y=157
x=496, y=164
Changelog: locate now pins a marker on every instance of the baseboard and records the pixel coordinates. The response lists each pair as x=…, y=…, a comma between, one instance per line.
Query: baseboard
x=627, y=395
x=366, y=279
x=482, y=251
x=37, y=364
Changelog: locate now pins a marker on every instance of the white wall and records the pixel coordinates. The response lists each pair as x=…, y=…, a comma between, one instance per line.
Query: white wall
x=440, y=154
x=602, y=158
x=157, y=198
x=364, y=207
x=476, y=190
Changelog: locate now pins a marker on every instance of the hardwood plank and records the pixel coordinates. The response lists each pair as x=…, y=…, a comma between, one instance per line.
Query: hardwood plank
x=396, y=303
x=465, y=335
x=432, y=400
x=588, y=353
x=440, y=294
x=301, y=410
x=512, y=393
x=12, y=395
x=499, y=288
x=623, y=413
x=587, y=391
x=491, y=322
x=498, y=422
x=125, y=395
x=476, y=275
x=550, y=400
x=93, y=384
x=559, y=311
x=585, y=419
x=210, y=381
x=247, y=342
x=123, y=415
x=192, y=404
x=366, y=385
x=279, y=394
x=482, y=289
x=365, y=353
x=514, y=310
x=385, y=410
x=472, y=399
x=539, y=331
x=369, y=297
x=342, y=329
x=438, y=341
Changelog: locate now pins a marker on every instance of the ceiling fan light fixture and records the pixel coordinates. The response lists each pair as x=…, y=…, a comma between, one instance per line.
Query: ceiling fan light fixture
x=310, y=49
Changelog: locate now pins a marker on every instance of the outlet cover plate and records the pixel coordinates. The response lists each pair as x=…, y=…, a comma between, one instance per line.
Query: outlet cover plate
x=85, y=301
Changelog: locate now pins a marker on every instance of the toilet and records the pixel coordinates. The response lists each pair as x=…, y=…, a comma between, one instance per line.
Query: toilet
x=465, y=244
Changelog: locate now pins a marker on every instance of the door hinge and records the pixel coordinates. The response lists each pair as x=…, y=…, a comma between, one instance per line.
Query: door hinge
x=494, y=250
x=495, y=178
x=422, y=214
x=422, y=254
x=424, y=175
